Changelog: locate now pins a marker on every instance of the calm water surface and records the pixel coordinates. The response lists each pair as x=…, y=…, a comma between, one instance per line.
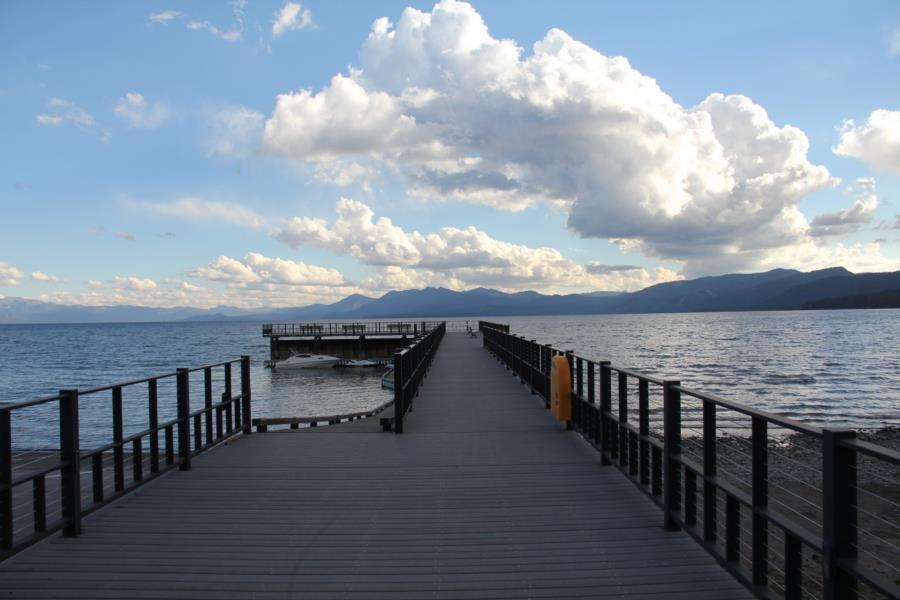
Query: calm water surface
x=825, y=367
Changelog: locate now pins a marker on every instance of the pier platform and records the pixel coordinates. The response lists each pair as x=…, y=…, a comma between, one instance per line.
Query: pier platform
x=483, y=496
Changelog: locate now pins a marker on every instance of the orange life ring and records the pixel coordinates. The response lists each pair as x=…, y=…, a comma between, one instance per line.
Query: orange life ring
x=560, y=389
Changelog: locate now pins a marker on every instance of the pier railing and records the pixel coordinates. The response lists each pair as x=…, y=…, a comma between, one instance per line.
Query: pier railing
x=355, y=328
x=410, y=367
x=793, y=511
x=46, y=490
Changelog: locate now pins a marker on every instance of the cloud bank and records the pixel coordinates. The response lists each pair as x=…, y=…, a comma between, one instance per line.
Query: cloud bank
x=451, y=257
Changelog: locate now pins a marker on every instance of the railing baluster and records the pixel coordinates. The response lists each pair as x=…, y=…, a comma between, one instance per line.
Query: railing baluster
x=70, y=457
x=793, y=567
x=183, y=394
x=97, y=477
x=644, y=429
x=760, y=497
x=6, y=503
x=226, y=397
x=399, y=383
x=690, y=497
x=153, y=410
x=198, y=432
x=671, y=452
x=605, y=411
x=710, y=516
x=623, y=419
x=732, y=529
x=137, y=460
x=170, y=445
x=207, y=403
x=118, y=450
x=246, y=395
x=39, y=502
x=839, y=516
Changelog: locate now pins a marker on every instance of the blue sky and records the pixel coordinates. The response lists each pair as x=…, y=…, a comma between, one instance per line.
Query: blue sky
x=272, y=153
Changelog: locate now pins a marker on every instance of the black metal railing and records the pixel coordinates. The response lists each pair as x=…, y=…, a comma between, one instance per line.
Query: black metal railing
x=489, y=325
x=46, y=490
x=356, y=328
x=262, y=424
x=793, y=511
x=410, y=367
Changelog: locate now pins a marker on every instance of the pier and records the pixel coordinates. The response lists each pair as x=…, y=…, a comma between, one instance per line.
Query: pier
x=478, y=493
x=375, y=340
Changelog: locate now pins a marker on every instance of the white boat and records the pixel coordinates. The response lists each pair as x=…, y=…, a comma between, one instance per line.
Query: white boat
x=387, y=380
x=307, y=361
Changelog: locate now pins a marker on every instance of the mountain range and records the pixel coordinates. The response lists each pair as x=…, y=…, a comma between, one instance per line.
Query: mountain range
x=779, y=289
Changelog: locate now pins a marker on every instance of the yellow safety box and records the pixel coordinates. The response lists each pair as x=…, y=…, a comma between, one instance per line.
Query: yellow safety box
x=560, y=389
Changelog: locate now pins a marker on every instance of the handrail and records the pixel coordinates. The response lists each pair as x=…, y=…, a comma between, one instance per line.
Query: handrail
x=262, y=423
x=188, y=434
x=410, y=368
x=674, y=444
x=348, y=328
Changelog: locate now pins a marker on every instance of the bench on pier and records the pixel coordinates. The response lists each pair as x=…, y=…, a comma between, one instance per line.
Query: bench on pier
x=262, y=423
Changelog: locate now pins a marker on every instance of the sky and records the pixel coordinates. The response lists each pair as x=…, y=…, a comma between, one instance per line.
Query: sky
x=264, y=154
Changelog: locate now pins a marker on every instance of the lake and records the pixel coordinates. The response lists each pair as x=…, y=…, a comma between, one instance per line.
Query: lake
x=840, y=368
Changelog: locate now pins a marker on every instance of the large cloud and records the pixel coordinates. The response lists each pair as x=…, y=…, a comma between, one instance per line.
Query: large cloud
x=876, y=142
x=451, y=257
x=461, y=114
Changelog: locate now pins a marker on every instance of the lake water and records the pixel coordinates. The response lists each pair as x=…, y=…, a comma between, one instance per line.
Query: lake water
x=824, y=367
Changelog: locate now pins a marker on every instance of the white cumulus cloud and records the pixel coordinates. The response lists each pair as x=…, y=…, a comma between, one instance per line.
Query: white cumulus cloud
x=138, y=112
x=44, y=277
x=256, y=268
x=463, y=115
x=137, y=284
x=291, y=16
x=454, y=257
x=9, y=275
x=876, y=142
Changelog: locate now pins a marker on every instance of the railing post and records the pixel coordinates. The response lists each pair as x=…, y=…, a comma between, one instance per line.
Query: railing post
x=153, y=410
x=118, y=435
x=6, y=502
x=760, y=496
x=709, y=471
x=183, y=392
x=398, y=392
x=839, y=533
x=70, y=457
x=246, y=395
x=671, y=452
x=622, y=433
x=547, y=351
x=605, y=411
x=644, y=430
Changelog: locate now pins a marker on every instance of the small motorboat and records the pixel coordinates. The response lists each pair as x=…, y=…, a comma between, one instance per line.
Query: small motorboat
x=360, y=363
x=307, y=361
x=387, y=380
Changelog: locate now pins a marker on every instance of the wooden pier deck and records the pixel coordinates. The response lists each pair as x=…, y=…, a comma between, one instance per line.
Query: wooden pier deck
x=483, y=496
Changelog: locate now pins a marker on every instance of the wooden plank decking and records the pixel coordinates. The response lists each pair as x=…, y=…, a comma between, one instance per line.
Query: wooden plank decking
x=484, y=496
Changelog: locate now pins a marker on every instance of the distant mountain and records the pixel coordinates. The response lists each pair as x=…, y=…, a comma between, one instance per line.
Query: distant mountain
x=20, y=310
x=888, y=299
x=779, y=289
x=776, y=289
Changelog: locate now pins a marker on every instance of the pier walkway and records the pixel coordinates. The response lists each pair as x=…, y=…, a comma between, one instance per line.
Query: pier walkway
x=483, y=496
